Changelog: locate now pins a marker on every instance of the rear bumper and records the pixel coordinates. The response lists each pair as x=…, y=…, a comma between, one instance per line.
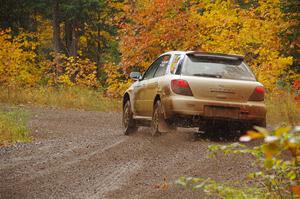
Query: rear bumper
x=189, y=106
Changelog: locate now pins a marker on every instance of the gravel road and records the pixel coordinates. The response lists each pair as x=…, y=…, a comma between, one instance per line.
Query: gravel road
x=79, y=154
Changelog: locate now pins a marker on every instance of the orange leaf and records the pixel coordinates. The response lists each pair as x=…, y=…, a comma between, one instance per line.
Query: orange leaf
x=296, y=190
x=255, y=135
x=298, y=152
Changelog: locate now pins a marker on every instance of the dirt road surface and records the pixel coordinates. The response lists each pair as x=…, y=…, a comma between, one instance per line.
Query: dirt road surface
x=78, y=154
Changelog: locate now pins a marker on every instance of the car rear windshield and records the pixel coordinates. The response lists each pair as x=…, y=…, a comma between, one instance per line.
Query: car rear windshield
x=226, y=68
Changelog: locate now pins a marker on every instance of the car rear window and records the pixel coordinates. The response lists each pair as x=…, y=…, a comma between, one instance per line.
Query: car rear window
x=217, y=68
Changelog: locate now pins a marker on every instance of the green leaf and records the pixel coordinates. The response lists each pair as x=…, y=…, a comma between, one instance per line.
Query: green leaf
x=282, y=130
x=292, y=175
x=269, y=163
x=262, y=130
x=271, y=149
x=181, y=181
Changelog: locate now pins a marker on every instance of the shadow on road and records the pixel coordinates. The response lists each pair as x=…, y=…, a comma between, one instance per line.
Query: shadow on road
x=214, y=135
x=217, y=135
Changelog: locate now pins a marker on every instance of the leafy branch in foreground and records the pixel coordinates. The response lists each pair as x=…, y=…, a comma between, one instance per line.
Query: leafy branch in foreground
x=223, y=190
x=278, y=159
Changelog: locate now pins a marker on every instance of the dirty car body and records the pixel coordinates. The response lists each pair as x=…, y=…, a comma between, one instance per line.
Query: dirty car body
x=196, y=89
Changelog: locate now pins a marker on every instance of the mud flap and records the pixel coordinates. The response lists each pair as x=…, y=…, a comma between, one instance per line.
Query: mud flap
x=163, y=126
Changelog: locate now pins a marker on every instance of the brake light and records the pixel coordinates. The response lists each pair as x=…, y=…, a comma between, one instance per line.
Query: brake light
x=260, y=90
x=181, y=87
x=258, y=94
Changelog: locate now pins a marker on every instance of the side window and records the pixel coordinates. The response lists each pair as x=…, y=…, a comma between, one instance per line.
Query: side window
x=151, y=70
x=176, y=63
x=161, y=70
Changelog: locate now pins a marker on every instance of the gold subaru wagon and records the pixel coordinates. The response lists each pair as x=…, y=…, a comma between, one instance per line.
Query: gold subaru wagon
x=194, y=89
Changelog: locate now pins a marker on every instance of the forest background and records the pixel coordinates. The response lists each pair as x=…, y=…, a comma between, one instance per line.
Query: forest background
x=49, y=47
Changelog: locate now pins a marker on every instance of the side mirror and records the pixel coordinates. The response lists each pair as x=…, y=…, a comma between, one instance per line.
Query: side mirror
x=135, y=75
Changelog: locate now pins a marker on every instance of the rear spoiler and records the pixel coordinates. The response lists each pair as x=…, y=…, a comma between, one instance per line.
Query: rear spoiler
x=216, y=56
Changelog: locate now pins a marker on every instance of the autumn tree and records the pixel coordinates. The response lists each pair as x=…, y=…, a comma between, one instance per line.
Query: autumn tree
x=100, y=40
x=102, y=31
x=291, y=36
x=16, y=15
x=18, y=61
x=89, y=27
x=221, y=26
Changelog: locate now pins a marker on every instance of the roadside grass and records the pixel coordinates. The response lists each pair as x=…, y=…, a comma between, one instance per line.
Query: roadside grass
x=282, y=109
x=13, y=127
x=75, y=97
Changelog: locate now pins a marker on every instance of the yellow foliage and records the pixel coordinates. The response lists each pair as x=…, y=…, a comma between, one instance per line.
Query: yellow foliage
x=18, y=61
x=70, y=71
x=44, y=32
x=116, y=79
x=21, y=66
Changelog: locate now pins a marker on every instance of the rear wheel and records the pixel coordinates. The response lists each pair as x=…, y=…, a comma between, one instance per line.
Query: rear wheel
x=129, y=124
x=262, y=123
x=157, y=119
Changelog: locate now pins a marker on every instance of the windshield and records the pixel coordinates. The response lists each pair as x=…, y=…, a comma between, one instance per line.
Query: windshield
x=217, y=68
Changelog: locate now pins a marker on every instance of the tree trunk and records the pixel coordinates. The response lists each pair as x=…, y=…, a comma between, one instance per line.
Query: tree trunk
x=68, y=37
x=56, y=27
x=98, y=53
x=74, y=44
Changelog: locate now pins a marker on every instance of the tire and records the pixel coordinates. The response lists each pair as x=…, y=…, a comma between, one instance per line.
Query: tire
x=157, y=119
x=262, y=123
x=128, y=123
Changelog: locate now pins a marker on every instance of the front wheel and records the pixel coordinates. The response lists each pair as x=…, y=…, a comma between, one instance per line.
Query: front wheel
x=129, y=125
